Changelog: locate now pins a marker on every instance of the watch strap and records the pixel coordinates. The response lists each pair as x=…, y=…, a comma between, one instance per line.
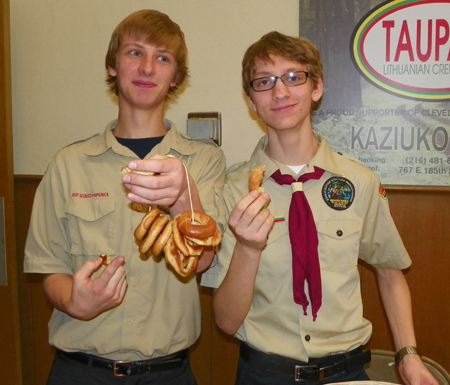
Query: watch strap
x=405, y=351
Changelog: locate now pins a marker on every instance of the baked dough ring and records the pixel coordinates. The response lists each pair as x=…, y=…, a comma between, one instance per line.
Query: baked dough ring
x=214, y=240
x=146, y=222
x=178, y=237
x=184, y=266
x=194, y=248
x=256, y=178
x=161, y=241
x=127, y=170
x=153, y=233
x=203, y=227
x=156, y=232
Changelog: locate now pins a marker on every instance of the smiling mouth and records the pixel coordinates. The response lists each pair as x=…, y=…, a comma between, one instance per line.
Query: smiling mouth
x=144, y=84
x=283, y=108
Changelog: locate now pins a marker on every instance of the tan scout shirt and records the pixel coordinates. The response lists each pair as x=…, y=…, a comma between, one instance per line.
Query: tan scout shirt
x=275, y=324
x=81, y=211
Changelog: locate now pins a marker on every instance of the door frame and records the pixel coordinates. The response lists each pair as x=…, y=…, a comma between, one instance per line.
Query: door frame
x=10, y=353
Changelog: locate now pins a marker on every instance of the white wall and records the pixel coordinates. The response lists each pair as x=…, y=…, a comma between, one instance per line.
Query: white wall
x=58, y=49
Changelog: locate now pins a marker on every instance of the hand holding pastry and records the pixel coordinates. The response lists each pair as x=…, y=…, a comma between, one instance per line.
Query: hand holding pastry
x=160, y=180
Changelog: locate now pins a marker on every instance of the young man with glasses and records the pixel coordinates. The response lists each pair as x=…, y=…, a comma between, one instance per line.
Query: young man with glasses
x=287, y=274
x=133, y=321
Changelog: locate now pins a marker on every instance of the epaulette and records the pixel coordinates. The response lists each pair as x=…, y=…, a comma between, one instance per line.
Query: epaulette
x=81, y=140
x=350, y=158
x=202, y=140
x=235, y=167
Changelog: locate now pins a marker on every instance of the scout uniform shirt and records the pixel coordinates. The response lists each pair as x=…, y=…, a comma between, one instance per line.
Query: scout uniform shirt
x=352, y=220
x=81, y=211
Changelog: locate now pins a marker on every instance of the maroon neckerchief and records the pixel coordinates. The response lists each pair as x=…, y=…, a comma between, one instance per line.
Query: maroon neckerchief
x=304, y=243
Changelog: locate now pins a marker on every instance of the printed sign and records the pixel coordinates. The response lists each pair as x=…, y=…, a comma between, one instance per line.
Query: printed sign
x=387, y=84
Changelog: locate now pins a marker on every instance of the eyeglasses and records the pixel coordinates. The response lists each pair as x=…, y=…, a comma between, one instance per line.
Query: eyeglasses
x=290, y=79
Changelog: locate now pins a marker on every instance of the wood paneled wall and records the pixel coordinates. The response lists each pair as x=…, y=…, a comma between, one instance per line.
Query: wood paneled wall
x=35, y=311
x=422, y=216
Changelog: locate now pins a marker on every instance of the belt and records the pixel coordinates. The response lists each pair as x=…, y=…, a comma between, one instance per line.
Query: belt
x=311, y=372
x=129, y=368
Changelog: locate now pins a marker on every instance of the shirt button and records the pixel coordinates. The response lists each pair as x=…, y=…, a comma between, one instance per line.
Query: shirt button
x=140, y=207
x=339, y=233
x=136, y=206
x=135, y=282
x=307, y=338
x=130, y=322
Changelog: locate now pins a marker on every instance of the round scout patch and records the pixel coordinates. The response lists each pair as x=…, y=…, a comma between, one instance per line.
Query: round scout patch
x=338, y=193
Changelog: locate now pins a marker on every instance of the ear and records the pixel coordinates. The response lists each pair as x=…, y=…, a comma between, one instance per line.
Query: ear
x=112, y=71
x=317, y=92
x=175, y=80
x=251, y=103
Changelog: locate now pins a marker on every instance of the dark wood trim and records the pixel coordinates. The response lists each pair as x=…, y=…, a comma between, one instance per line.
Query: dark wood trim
x=10, y=362
x=422, y=216
x=429, y=189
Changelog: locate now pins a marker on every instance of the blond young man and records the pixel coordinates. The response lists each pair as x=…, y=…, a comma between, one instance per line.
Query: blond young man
x=134, y=320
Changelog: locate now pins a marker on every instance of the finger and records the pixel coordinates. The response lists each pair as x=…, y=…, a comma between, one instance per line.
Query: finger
x=147, y=165
x=158, y=164
x=266, y=226
x=147, y=181
x=110, y=270
x=257, y=233
x=158, y=199
x=140, y=184
x=162, y=190
x=255, y=224
x=115, y=286
x=89, y=268
x=242, y=205
x=261, y=224
x=262, y=202
x=122, y=287
x=248, y=208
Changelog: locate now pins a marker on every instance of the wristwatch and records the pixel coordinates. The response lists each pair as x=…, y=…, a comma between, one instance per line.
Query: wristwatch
x=404, y=351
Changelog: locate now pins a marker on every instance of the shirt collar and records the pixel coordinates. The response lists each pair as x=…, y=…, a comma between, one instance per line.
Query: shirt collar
x=172, y=140
x=324, y=158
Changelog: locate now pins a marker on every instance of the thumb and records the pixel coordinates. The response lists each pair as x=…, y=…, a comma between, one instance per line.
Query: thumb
x=89, y=268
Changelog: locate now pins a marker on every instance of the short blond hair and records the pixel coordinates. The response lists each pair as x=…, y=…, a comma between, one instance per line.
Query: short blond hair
x=154, y=28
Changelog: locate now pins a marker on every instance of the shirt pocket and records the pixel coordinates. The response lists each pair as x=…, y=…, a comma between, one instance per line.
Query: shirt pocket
x=339, y=243
x=91, y=226
x=276, y=259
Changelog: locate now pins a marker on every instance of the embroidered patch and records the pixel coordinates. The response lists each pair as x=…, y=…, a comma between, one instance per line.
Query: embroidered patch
x=382, y=191
x=338, y=193
x=280, y=219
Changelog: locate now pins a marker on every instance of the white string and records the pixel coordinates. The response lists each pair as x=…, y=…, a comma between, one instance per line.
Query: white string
x=189, y=192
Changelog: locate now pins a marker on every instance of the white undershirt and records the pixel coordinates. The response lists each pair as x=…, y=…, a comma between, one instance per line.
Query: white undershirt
x=296, y=169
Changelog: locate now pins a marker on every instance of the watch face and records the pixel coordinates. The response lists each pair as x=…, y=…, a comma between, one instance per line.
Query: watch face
x=404, y=351
x=411, y=350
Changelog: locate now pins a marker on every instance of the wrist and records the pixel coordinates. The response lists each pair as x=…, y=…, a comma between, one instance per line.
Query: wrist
x=404, y=352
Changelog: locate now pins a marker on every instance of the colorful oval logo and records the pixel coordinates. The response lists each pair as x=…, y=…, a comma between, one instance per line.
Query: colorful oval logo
x=403, y=47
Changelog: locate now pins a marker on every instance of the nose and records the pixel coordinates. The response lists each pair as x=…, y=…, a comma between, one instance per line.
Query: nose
x=147, y=65
x=280, y=91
